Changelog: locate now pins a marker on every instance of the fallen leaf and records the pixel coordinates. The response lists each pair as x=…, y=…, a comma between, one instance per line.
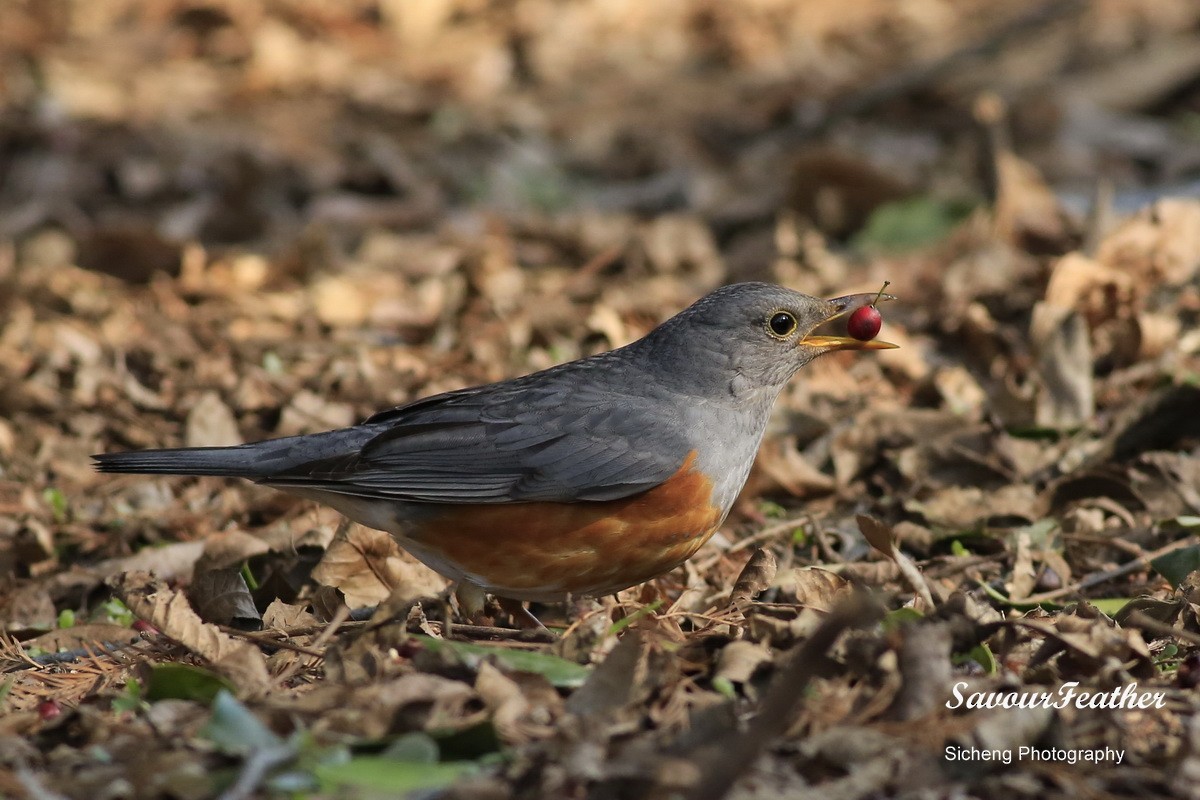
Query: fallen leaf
x=168, y=610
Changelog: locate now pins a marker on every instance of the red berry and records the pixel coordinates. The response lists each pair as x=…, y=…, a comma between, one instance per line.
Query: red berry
x=48, y=710
x=864, y=323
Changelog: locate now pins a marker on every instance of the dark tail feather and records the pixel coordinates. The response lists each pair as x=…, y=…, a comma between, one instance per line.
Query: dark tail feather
x=256, y=460
x=242, y=461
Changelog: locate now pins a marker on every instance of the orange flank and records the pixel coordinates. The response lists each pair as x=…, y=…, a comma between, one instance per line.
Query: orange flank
x=578, y=548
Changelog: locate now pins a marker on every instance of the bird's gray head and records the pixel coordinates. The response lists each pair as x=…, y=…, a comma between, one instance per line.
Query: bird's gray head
x=752, y=337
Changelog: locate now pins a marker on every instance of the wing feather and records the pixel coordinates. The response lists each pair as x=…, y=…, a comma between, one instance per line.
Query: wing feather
x=549, y=437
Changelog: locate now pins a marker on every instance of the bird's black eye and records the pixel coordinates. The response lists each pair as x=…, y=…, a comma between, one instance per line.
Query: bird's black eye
x=782, y=323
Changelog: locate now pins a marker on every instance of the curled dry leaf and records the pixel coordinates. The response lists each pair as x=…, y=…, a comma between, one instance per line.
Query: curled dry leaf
x=415, y=701
x=755, y=578
x=168, y=610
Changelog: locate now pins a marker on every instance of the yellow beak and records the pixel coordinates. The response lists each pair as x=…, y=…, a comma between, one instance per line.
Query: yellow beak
x=840, y=306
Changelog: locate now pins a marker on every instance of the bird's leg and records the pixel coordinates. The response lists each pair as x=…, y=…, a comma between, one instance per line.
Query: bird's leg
x=522, y=617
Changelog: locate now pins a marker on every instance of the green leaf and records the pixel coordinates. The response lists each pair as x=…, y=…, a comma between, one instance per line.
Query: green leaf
x=173, y=681
x=1187, y=521
x=981, y=654
x=235, y=730
x=629, y=619
x=958, y=548
x=560, y=672
x=1178, y=564
x=114, y=611
x=1110, y=606
x=389, y=775
x=771, y=510
x=724, y=686
x=57, y=502
x=900, y=617
x=130, y=699
x=911, y=223
x=66, y=618
x=415, y=748
x=1020, y=605
x=248, y=577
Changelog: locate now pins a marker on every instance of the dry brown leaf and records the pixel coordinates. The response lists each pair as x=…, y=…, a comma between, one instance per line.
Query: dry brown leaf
x=1024, y=576
x=230, y=548
x=877, y=534
x=739, y=660
x=168, y=610
x=883, y=539
x=816, y=588
x=221, y=596
x=755, y=577
x=615, y=682
x=523, y=707
x=367, y=565
x=779, y=460
x=1027, y=211
x=373, y=709
x=283, y=616
x=1158, y=244
x=308, y=412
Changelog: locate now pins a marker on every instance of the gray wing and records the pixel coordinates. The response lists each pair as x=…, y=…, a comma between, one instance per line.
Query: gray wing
x=556, y=438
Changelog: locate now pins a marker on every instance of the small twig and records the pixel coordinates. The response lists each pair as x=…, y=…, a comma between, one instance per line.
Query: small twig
x=770, y=531
x=263, y=638
x=339, y=617
x=519, y=635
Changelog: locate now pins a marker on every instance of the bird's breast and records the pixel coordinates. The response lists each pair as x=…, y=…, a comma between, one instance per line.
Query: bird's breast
x=545, y=550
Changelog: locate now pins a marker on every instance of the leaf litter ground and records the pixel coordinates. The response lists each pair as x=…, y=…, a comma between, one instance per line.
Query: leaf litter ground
x=284, y=226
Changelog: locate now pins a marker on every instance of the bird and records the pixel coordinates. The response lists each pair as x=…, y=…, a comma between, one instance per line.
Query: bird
x=578, y=480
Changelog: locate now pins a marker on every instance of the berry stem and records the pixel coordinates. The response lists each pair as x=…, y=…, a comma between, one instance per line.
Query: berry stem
x=880, y=293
